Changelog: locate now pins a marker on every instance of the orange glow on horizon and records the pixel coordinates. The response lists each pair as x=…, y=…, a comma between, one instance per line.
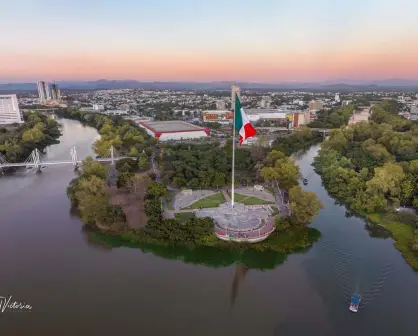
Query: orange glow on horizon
x=357, y=62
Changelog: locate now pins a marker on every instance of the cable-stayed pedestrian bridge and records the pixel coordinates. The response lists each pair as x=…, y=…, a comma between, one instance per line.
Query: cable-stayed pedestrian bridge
x=38, y=160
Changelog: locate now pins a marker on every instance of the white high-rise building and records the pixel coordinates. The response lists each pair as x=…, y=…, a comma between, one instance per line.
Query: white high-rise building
x=337, y=97
x=236, y=90
x=43, y=91
x=9, y=110
x=265, y=102
x=55, y=92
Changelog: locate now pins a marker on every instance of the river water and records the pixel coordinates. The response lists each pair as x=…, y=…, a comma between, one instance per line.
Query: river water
x=77, y=287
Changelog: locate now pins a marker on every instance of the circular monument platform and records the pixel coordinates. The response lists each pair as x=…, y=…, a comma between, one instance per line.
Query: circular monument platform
x=241, y=223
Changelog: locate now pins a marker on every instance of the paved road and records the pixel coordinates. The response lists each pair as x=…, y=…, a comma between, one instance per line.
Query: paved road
x=291, y=129
x=154, y=168
x=281, y=200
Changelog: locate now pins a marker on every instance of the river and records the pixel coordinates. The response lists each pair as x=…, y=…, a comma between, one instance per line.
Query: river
x=77, y=287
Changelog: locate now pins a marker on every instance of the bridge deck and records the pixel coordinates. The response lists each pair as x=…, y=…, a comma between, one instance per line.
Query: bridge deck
x=48, y=163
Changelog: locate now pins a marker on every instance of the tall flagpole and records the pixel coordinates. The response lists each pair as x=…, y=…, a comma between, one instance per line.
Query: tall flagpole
x=233, y=158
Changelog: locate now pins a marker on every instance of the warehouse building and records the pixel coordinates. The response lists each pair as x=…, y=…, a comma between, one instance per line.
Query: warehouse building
x=174, y=130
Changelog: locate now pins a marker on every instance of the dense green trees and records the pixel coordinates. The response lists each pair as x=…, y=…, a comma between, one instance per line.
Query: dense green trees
x=205, y=166
x=156, y=190
x=373, y=166
x=281, y=169
x=333, y=118
x=301, y=138
x=89, y=193
x=39, y=131
x=172, y=231
x=303, y=205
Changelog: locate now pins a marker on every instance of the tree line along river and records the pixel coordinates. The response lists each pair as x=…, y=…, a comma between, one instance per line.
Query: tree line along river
x=77, y=286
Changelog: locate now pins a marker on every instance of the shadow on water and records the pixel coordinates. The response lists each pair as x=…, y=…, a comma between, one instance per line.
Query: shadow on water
x=207, y=256
x=94, y=243
x=239, y=277
x=375, y=231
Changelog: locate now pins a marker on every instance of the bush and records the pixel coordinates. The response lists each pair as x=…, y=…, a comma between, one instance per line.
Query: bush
x=127, y=165
x=123, y=179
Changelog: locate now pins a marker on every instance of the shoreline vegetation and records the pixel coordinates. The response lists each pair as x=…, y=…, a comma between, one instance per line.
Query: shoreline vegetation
x=372, y=167
x=90, y=194
x=18, y=141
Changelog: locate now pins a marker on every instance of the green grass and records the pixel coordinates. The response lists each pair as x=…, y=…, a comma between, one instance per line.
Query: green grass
x=184, y=216
x=402, y=235
x=249, y=200
x=170, y=196
x=211, y=201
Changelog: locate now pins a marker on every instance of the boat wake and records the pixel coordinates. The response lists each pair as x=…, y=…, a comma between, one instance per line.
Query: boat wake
x=377, y=286
x=342, y=266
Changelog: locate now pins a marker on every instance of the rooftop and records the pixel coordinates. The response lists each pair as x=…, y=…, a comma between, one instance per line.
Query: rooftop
x=170, y=126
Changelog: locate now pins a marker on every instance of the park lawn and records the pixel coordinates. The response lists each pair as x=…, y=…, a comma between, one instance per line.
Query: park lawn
x=184, y=216
x=170, y=196
x=250, y=200
x=211, y=201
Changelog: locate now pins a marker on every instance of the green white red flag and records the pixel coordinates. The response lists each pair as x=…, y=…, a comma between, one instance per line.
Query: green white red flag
x=242, y=124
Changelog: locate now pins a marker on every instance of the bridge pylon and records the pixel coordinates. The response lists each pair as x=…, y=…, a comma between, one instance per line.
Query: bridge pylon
x=74, y=160
x=36, y=158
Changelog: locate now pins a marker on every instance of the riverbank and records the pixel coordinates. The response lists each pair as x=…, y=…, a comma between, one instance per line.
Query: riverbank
x=402, y=227
x=373, y=168
x=402, y=234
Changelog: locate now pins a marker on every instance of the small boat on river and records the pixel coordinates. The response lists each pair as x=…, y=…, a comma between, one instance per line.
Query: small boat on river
x=355, y=303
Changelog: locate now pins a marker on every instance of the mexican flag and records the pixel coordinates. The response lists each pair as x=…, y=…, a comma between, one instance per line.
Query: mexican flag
x=242, y=124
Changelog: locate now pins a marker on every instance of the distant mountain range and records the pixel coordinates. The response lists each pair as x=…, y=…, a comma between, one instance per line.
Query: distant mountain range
x=343, y=85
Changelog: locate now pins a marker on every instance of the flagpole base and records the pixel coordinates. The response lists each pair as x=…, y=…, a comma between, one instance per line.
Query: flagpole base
x=240, y=223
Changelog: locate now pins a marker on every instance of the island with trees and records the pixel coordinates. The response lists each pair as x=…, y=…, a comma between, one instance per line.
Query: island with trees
x=98, y=195
x=373, y=168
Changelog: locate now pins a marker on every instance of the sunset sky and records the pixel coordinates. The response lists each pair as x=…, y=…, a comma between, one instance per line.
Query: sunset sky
x=208, y=40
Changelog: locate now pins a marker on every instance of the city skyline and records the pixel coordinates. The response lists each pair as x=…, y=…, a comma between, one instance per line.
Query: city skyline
x=268, y=41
